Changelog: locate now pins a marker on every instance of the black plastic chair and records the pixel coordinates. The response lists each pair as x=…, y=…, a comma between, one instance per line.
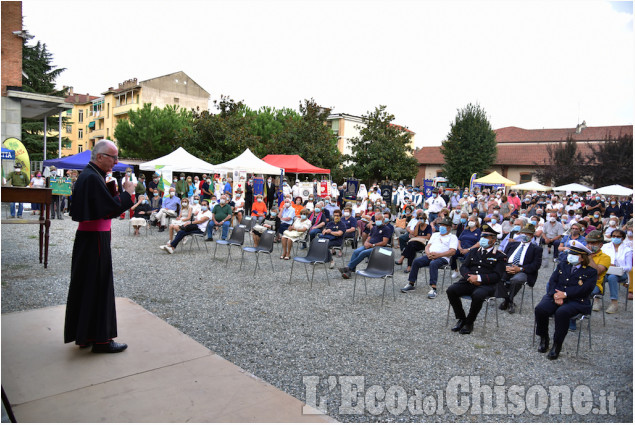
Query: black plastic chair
x=318, y=254
x=381, y=265
x=265, y=246
x=487, y=302
x=249, y=222
x=237, y=239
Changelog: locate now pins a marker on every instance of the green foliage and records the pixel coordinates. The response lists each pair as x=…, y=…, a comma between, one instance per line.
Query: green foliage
x=269, y=124
x=40, y=78
x=470, y=146
x=150, y=133
x=558, y=169
x=382, y=151
x=611, y=162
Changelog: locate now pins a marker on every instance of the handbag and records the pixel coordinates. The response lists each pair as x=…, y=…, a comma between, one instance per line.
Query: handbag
x=189, y=227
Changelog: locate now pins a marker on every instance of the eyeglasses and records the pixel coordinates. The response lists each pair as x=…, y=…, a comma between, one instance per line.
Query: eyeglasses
x=114, y=157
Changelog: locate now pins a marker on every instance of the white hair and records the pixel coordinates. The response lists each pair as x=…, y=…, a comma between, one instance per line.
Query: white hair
x=100, y=147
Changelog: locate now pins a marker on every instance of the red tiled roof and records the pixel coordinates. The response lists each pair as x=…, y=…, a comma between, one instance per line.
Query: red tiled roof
x=80, y=98
x=520, y=135
x=402, y=128
x=520, y=155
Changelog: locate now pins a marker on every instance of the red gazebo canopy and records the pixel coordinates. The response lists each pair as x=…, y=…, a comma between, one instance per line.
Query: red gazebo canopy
x=294, y=164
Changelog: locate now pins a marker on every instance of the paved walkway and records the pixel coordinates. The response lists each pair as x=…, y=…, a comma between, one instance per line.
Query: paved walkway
x=163, y=376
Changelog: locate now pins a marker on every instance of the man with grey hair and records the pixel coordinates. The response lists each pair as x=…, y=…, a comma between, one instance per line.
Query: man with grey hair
x=90, y=309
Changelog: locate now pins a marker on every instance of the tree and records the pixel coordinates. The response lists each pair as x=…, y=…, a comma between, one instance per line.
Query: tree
x=149, y=132
x=39, y=77
x=383, y=150
x=470, y=146
x=557, y=170
x=269, y=124
x=611, y=162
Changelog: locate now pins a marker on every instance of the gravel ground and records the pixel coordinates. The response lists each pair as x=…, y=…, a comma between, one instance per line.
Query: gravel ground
x=286, y=333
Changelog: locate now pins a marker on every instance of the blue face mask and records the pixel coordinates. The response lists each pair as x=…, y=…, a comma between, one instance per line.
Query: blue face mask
x=516, y=228
x=303, y=216
x=484, y=242
x=386, y=220
x=273, y=214
x=464, y=220
x=573, y=259
x=317, y=210
x=534, y=222
x=145, y=201
x=204, y=208
x=443, y=230
x=379, y=222
x=493, y=221
x=525, y=238
x=616, y=241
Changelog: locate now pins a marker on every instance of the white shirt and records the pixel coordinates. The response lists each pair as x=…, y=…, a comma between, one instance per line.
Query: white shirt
x=358, y=209
x=622, y=258
x=203, y=226
x=374, y=196
x=444, y=243
x=523, y=247
x=412, y=224
x=296, y=190
x=435, y=205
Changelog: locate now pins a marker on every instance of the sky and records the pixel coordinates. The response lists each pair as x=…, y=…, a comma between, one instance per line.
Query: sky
x=529, y=64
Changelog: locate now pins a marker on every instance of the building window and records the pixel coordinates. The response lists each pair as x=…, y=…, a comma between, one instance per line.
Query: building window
x=107, y=110
x=525, y=177
x=80, y=134
x=176, y=100
x=80, y=117
x=69, y=128
x=439, y=173
x=107, y=133
x=80, y=148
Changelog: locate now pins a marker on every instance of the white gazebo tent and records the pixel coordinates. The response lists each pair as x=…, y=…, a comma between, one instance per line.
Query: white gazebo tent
x=615, y=189
x=532, y=185
x=572, y=187
x=179, y=160
x=248, y=162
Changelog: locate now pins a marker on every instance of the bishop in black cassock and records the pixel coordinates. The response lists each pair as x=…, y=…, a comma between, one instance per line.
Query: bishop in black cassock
x=90, y=309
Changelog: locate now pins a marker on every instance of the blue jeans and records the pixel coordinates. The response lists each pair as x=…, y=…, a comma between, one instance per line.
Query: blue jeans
x=224, y=227
x=283, y=226
x=314, y=232
x=434, y=266
x=358, y=256
x=181, y=234
x=20, y=207
x=614, y=281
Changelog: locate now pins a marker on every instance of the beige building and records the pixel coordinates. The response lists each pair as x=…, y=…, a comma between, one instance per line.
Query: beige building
x=345, y=127
x=96, y=117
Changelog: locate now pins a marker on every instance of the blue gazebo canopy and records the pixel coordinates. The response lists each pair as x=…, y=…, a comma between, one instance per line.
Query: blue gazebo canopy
x=78, y=162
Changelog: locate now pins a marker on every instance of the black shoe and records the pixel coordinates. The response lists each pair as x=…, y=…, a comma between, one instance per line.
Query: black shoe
x=504, y=305
x=343, y=270
x=512, y=308
x=467, y=328
x=161, y=229
x=347, y=275
x=544, y=344
x=110, y=347
x=459, y=325
x=209, y=239
x=555, y=351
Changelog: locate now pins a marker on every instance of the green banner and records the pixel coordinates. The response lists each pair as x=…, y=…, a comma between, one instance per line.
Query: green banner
x=60, y=186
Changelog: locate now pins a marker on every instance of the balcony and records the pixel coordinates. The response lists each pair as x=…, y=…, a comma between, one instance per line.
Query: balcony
x=96, y=134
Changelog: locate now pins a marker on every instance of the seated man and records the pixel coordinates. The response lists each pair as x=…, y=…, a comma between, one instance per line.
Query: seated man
x=524, y=261
x=439, y=250
x=380, y=235
x=334, y=232
x=318, y=220
x=568, y=292
x=169, y=208
x=287, y=217
x=258, y=209
x=221, y=217
x=351, y=225
x=552, y=233
x=514, y=234
x=481, y=271
x=196, y=227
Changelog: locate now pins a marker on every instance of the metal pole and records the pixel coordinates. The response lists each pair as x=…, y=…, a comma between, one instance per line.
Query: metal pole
x=45, y=117
x=59, y=140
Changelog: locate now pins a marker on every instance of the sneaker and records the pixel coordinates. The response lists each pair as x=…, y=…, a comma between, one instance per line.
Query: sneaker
x=455, y=274
x=612, y=308
x=169, y=249
x=332, y=265
x=408, y=287
x=162, y=247
x=432, y=294
x=596, y=304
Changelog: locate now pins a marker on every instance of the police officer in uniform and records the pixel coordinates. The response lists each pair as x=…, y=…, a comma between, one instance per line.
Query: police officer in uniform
x=567, y=295
x=481, y=272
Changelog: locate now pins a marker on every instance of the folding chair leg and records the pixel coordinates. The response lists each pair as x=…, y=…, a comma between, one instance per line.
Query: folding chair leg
x=312, y=273
x=354, y=287
x=306, y=271
x=383, y=293
x=365, y=287
x=256, y=262
x=496, y=311
x=215, y=248
x=328, y=281
x=229, y=254
x=242, y=258
x=392, y=280
x=486, y=310
x=291, y=274
x=272, y=269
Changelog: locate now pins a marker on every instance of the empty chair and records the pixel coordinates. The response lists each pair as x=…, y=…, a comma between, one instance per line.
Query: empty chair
x=237, y=239
x=381, y=265
x=318, y=254
x=249, y=222
x=265, y=246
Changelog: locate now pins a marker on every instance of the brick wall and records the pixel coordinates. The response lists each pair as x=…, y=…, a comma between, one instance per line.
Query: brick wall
x=11, y=45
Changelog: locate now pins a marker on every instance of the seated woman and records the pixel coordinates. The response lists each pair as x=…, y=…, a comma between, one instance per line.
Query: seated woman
x=258, y=209
x=142, y=211
x=469, y=235
x=287, y=217
x=297, y=205
x=568, y=292
x=295, y=232
x=197, y=226
x=422, y=233
x=334, y=232
x=270, y=222
x=239, y=206
x=318, y=220
x=309, y=203
x=365, y=223
x=184, y=218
